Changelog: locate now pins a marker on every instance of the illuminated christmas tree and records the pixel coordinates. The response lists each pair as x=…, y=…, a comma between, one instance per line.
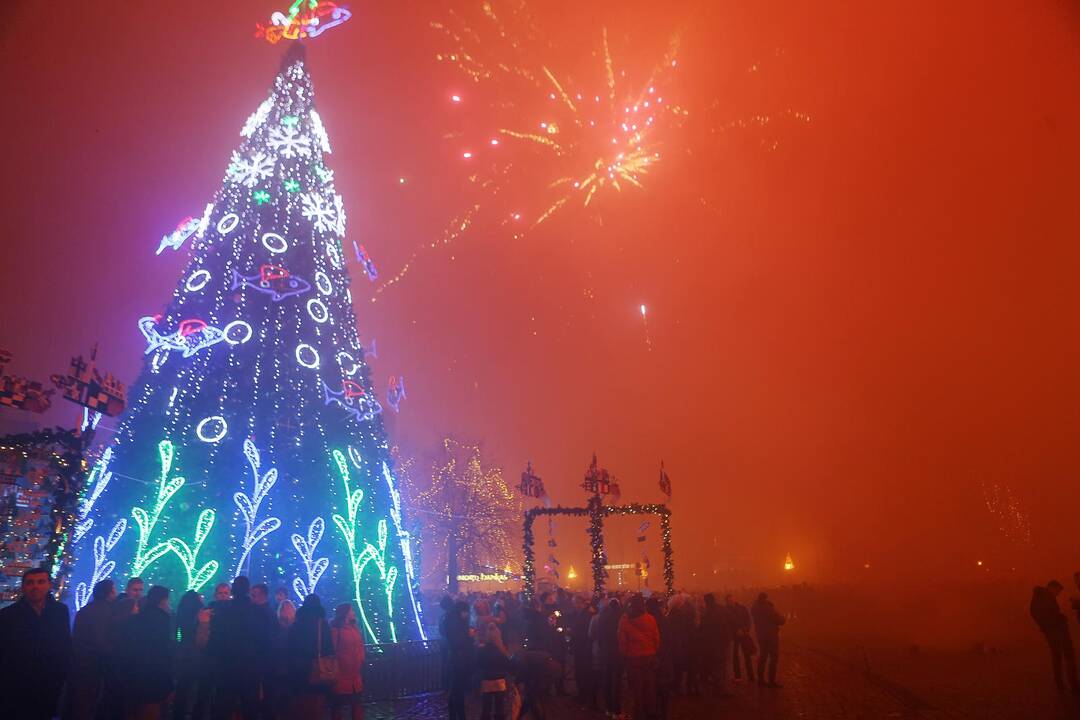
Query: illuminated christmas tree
x=253, y=443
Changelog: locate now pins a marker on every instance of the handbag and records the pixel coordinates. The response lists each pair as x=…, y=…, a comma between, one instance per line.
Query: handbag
x=493, y=686
x=324, y=668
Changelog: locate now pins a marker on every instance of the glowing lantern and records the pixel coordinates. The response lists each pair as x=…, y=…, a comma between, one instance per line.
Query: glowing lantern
x=571, y=574
x=789, y=564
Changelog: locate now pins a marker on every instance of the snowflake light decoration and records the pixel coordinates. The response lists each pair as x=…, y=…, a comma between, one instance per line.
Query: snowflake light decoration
x=318, y=211
x=289, y=143
x=250, y=172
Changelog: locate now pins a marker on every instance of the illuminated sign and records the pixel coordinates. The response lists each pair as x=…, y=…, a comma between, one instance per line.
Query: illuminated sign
x=484, y=577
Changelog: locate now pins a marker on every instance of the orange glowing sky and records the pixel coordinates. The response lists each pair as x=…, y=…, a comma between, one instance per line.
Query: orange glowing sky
x=856, y=322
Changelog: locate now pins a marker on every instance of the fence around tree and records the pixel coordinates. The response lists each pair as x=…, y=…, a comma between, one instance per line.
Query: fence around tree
x=403, y=669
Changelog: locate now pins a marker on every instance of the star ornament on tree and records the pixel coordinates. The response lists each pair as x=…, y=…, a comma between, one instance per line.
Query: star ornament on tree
x=303, y=19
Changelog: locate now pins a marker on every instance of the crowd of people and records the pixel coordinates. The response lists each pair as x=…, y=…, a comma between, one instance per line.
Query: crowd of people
x=128, y=657
x=624, y=654
x=243, y=654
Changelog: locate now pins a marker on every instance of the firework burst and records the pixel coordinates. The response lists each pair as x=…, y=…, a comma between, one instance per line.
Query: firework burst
x=543, y=142
x=604, y=133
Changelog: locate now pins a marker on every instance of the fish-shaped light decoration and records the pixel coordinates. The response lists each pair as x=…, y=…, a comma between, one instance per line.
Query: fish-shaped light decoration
x=360, y=406
x=273, y=280
x=305, y=19
x=184, y=229
x=192, y=336
x=395, y=393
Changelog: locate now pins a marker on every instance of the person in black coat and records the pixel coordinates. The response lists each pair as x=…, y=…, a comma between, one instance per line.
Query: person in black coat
x=35, y=649
x=611, y=665
x=446, y=605
x=239, y=648
x=1055, y=627
x=718, y=633
x=582, y=648
x=459, y=646
x=744, y=644
x=90, y=652
x=767, y=622
x=308, y=638
x=144, y=655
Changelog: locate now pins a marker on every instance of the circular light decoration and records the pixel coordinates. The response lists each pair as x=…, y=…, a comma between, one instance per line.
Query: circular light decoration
x=212, y=429
x=274, y=243
x=323, y=283
x=334, y=254
x=237, y=332
x=317, y=310
x=307, y=356
x=198, y=280
x=228, y=223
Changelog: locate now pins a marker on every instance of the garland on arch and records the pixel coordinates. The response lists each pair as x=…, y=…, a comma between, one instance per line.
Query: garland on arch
x=596, y=511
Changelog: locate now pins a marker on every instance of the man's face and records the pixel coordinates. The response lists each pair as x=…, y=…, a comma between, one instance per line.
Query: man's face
x=258, y=596
x=135, y=590
x=35, y=587
x=222, y=593
x=279, y=597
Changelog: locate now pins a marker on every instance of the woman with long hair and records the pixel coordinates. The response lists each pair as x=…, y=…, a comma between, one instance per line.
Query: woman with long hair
x=492, y=664
x=308, y=640
x=349, y=650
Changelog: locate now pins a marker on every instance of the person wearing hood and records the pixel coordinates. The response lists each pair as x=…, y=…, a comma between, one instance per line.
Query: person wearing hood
x=1055, y=627
x=767, y=622
x=639, y=644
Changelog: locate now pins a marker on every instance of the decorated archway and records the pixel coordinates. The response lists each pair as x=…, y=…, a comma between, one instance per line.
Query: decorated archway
x=596, y=511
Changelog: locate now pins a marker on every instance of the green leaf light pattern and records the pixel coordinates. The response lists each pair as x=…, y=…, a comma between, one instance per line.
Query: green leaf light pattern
x=188, y=555
x=145, y=555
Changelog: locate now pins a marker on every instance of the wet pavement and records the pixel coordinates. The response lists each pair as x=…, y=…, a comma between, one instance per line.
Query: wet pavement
x=834, y=685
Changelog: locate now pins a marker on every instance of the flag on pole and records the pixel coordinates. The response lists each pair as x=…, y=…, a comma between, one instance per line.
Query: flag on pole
x=665, y=481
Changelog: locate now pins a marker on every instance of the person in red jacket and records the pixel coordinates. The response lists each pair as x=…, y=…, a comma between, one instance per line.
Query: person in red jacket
x=639, y=643
x=349, y=649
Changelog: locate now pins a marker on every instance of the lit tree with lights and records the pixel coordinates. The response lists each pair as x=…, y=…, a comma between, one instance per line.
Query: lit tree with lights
x=467, y=512
x=254, y=443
